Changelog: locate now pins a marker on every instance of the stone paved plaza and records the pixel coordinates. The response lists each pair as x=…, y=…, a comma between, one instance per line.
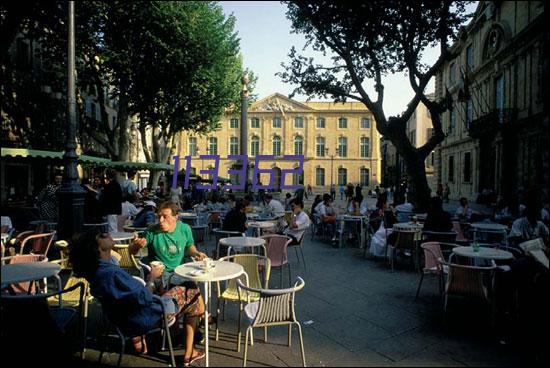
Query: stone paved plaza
x=356, y=312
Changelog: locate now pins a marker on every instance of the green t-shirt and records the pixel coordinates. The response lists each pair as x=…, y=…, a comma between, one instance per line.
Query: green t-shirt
x=169, y=248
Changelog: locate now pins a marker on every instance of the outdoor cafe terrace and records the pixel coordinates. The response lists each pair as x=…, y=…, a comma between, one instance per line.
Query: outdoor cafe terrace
x=354, y=311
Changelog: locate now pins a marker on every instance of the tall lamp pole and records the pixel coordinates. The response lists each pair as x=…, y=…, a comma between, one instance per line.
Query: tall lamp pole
x=244, y=120
x=331, y=165
x=70, y=195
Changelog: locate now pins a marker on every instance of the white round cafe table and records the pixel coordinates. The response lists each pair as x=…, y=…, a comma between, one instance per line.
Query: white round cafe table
x=239, y=242
x=489, y=226
x=23, y=272
x=187, y=215
x=407, y=226
x=354, y=219
x=222, y=270
x=483, y=253
x=261, y=225
x=121, y=236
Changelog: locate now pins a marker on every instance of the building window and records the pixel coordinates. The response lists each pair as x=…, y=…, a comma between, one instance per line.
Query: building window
x=365, y=123
x=452, y=121
x=88, y=109
x=467, y=167
x=277, y=146
x=93, y=111
x=298, y=145
x=298, y=179
x=412, y=137
x=321, y=123
x=364, y=177
x=342, y=123
x=192, y=146
x=499, y=98
x=365, y=147
x=234, y=123
x=469, y=112
x=320, y=147
x=452, y=76
x=319, y=176
x=255, y=146
x=234, y=146
x=470, y=57
x=276, y=122
x=255, y=123
x=342, y=176
x=213, y=146
x=298, y=122
x=451, y=168
x=343, y=147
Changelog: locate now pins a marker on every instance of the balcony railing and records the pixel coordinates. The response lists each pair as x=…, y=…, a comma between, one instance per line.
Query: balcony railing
x=491, y=123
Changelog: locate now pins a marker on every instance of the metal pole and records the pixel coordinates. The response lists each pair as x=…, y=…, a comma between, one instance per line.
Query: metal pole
x=70, y=195
x=244, y=120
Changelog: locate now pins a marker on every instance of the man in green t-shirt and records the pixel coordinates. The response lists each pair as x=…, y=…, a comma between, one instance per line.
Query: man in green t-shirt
x=168, y=242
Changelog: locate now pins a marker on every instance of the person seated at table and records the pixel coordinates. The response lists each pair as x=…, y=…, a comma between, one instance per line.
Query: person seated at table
x=327, y=214
x=437, y=219
x=248, y=200
x=146, y=216
x=528, y=227
x=231, y=201
x=464, y=212
x=353, y=205
x=168, y=242
x=235, y=220
x=130, y=303
x=273, y=207
x=386, y=220
x=299, y=224
x=288, y=199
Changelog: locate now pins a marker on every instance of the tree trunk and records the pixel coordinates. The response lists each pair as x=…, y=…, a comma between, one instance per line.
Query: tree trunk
x=123, y=124
x=154, y=179
x=419, y=191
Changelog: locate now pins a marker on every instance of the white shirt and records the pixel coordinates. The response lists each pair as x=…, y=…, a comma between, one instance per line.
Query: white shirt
x=275, y=207
x=128, y=209
x=6, y=221
x=302, y=220
x=326, y=210
x=460, y=212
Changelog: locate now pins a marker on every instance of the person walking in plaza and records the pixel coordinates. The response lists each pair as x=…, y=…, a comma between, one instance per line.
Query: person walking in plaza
x=342, y=191
x=309, y=190
x=333, y=192
x=47, y=200
x=130, y=303
x=111, y=200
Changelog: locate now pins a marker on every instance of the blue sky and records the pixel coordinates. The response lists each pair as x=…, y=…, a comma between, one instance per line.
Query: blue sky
x=266, y=40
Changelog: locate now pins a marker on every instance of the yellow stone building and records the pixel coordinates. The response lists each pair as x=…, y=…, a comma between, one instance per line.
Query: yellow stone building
x=339, y=142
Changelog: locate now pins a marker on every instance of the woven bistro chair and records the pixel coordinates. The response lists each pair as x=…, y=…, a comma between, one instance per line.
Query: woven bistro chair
x=406, y=240
x=274, y=307
x=434, y=264
x=277, y=252
x=129, y=262
x=471, y=282
x=251, y=264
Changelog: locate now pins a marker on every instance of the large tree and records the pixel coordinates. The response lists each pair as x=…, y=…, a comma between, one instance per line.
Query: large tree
x=370, y=40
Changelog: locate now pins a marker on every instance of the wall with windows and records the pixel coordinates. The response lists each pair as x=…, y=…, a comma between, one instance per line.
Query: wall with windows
x=280, y=126
x=496, y=86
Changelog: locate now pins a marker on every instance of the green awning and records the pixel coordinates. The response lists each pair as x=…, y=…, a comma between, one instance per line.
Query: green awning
x=25, y=152
x=85, y=159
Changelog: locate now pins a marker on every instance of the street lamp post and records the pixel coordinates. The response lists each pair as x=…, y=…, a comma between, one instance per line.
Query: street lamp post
x=331, y=164
x=71, y=195
x=244, y=121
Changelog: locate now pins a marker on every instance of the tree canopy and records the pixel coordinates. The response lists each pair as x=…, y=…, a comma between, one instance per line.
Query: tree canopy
x=367, y=41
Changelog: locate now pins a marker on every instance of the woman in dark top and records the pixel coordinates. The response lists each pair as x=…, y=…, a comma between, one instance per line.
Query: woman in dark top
x=129, y=303
x=235, y=220
x=437, y=219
